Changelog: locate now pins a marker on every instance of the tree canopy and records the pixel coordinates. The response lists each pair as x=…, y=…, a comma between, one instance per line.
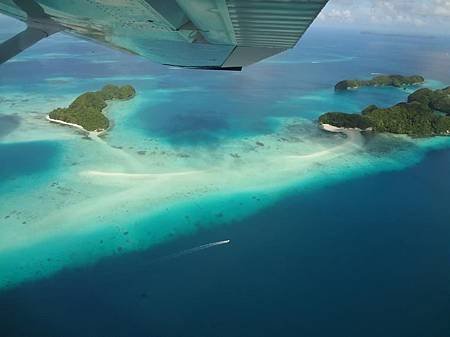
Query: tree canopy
x=426, y=113
x=86, y=109
x=383, y=80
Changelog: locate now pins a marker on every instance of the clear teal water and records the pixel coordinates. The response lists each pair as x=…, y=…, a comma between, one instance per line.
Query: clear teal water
x=329, y=235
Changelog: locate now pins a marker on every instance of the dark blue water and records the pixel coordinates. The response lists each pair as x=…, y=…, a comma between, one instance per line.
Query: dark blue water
x=369, y=257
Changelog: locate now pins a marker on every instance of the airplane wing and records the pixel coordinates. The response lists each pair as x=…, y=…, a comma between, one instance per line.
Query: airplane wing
x=205, y=34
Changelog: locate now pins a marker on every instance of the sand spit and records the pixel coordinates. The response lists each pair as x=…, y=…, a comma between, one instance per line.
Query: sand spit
x=111, y=183
x=137, y=175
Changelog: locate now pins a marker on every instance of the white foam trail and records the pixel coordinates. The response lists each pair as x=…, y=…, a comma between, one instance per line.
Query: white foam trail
x=193, y=250
x=144, y=267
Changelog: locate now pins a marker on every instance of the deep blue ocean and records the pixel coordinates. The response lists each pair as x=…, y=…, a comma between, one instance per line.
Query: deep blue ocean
x=369, y=256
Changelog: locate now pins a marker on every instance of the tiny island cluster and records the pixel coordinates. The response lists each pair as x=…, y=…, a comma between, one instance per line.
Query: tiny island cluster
x=426, y=112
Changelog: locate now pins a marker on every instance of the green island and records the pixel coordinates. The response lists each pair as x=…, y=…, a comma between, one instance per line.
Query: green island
x=426, y=113
x=379, y=81
x=86, y=109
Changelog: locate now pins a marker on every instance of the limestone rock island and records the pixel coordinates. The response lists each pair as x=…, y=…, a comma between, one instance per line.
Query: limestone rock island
x=86, y=110
x=379, y=81
x=425, y=114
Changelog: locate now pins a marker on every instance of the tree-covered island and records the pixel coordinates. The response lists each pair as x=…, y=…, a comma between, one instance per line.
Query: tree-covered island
x=86, y=109
x=425, y=114
x=379, y=81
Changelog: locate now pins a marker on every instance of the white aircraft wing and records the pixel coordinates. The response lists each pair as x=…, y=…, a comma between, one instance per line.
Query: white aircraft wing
x=207, y=34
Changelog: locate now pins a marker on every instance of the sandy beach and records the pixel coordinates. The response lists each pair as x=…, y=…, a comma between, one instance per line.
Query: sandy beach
x=57, y=121
x=332, y=128
x=91, y=133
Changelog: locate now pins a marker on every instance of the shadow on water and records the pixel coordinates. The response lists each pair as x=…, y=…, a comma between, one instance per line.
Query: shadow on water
x=8, y=124
x=193, y=128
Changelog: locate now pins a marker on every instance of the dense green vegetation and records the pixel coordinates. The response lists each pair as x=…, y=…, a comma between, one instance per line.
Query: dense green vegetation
x=438, y=100
x=384, y=80
x=86, y=109
x=426, y=113
x=110, y=92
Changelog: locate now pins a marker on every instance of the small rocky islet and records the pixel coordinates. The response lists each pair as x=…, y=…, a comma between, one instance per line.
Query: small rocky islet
x=426, y=113
x=87, y=109
x=397, y=81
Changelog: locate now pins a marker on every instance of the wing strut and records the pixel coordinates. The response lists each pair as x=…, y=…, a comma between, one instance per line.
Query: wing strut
x=20, y=42
x=39, y=26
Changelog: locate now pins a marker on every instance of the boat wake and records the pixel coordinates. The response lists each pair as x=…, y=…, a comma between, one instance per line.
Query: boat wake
x=143, y=268
x=192, y=250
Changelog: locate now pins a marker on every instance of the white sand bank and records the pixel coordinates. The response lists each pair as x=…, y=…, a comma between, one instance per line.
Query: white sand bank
x=91, y=133
x=112, y=189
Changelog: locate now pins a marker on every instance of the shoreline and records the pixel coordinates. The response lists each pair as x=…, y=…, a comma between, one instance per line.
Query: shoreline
x=381, y=86
x=335, y=129
x=109, y=103
x=332, y=128
x=57, y=121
